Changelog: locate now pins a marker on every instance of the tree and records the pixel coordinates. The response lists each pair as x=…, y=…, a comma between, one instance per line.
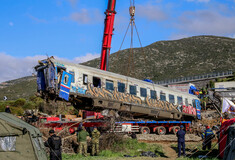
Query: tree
x=212, y=84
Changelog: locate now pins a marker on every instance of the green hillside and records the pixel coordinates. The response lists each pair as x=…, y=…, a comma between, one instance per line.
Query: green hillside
x=19, y=88
x=172, y=59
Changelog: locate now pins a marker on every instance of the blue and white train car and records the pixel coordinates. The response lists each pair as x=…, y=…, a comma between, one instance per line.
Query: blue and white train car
x=94, y=89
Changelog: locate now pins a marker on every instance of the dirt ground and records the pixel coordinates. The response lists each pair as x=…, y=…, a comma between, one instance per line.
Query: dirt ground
x=168, y=138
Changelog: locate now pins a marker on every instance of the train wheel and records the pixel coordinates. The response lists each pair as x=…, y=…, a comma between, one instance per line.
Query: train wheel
x=145, y=130
x=161, y=130
x=175, y=129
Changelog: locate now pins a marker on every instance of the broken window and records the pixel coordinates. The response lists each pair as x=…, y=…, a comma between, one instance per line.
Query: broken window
x=96, y=82
x=8, y=143
x=59, y=73
x=194, y=103
x=85, y=79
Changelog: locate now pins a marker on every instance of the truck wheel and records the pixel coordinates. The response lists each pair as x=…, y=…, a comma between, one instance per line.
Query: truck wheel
x=161, y=130
x=145, y=130
x=175, y=129
x=71, y=130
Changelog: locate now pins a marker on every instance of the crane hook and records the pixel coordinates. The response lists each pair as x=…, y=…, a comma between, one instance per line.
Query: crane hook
x=132, y=11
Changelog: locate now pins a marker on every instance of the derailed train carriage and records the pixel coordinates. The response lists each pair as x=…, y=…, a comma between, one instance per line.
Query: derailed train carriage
x=97, y=90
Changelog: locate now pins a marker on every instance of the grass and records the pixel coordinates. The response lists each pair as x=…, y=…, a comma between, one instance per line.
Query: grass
x=134, y=148
x=194, y=151
x=128, y=147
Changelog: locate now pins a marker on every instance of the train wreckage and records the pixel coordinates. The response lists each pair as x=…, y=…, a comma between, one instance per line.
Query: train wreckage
x=97, y=90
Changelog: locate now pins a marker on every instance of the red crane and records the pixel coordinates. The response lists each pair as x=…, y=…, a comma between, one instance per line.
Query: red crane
x=108, y=32
x=106, y=46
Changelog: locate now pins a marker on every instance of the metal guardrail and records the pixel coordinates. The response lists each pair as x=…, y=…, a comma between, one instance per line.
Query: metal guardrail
x=196, y=77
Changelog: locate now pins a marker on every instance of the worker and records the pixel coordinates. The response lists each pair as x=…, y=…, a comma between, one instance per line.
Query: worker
x=200, y=94
x=7, y=109
x=82, y=137
x=95, y=141
x=54, y=143
x=207, y=136
x=181, y=140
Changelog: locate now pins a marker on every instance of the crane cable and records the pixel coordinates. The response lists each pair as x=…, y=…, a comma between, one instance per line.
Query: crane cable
x=133, y=26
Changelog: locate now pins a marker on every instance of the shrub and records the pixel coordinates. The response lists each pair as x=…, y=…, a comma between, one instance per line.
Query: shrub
x=17, y=111
x=29, y=105
x=20, y=102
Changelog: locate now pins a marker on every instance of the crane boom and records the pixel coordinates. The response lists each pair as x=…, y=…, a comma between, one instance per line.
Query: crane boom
x=108, y=32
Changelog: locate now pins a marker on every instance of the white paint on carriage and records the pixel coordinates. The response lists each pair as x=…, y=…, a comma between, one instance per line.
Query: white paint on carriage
x=79, y=87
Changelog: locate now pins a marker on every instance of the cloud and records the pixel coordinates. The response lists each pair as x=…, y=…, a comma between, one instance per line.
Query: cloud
x=35, y=19
x=13, y=67
x=87, y=57
x=151, y=12
x=206, y=22
x=11, y=24
x=86, y=16
x=73, y=3
x=204, y=1
x=178, y=36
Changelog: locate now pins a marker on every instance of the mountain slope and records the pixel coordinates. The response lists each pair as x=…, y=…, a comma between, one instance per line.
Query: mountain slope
x=171, y=59
x=19, y=88
x=158, y=61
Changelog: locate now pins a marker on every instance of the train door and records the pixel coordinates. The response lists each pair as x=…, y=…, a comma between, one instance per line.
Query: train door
x=65, y=85
x=198, y=108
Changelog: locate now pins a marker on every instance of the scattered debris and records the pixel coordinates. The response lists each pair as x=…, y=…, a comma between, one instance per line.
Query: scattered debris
x=148, y=154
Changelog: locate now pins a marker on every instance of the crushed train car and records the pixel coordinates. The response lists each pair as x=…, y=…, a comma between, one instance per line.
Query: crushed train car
x=94, y=89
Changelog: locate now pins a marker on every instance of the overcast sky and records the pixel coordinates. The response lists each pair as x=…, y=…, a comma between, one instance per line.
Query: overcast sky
x=72, y=30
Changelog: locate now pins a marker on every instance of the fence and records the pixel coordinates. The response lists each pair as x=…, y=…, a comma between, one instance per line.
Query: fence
x=196, y=78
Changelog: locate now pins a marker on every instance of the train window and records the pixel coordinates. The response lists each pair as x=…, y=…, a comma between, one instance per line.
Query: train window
x=179, y=100
x=96, y=82
x=132, y=90
x=109, y=85
x=121, y=87
x=171, y=98
x=162, y=96
x=194, y=103
x=85, y=79
x=72, y=73
x=153, y=94
x=186, y=101
x=66, y=79
x=143, y=92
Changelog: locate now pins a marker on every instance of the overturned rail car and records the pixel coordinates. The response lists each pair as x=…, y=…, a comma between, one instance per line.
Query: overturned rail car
x=97, y=90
